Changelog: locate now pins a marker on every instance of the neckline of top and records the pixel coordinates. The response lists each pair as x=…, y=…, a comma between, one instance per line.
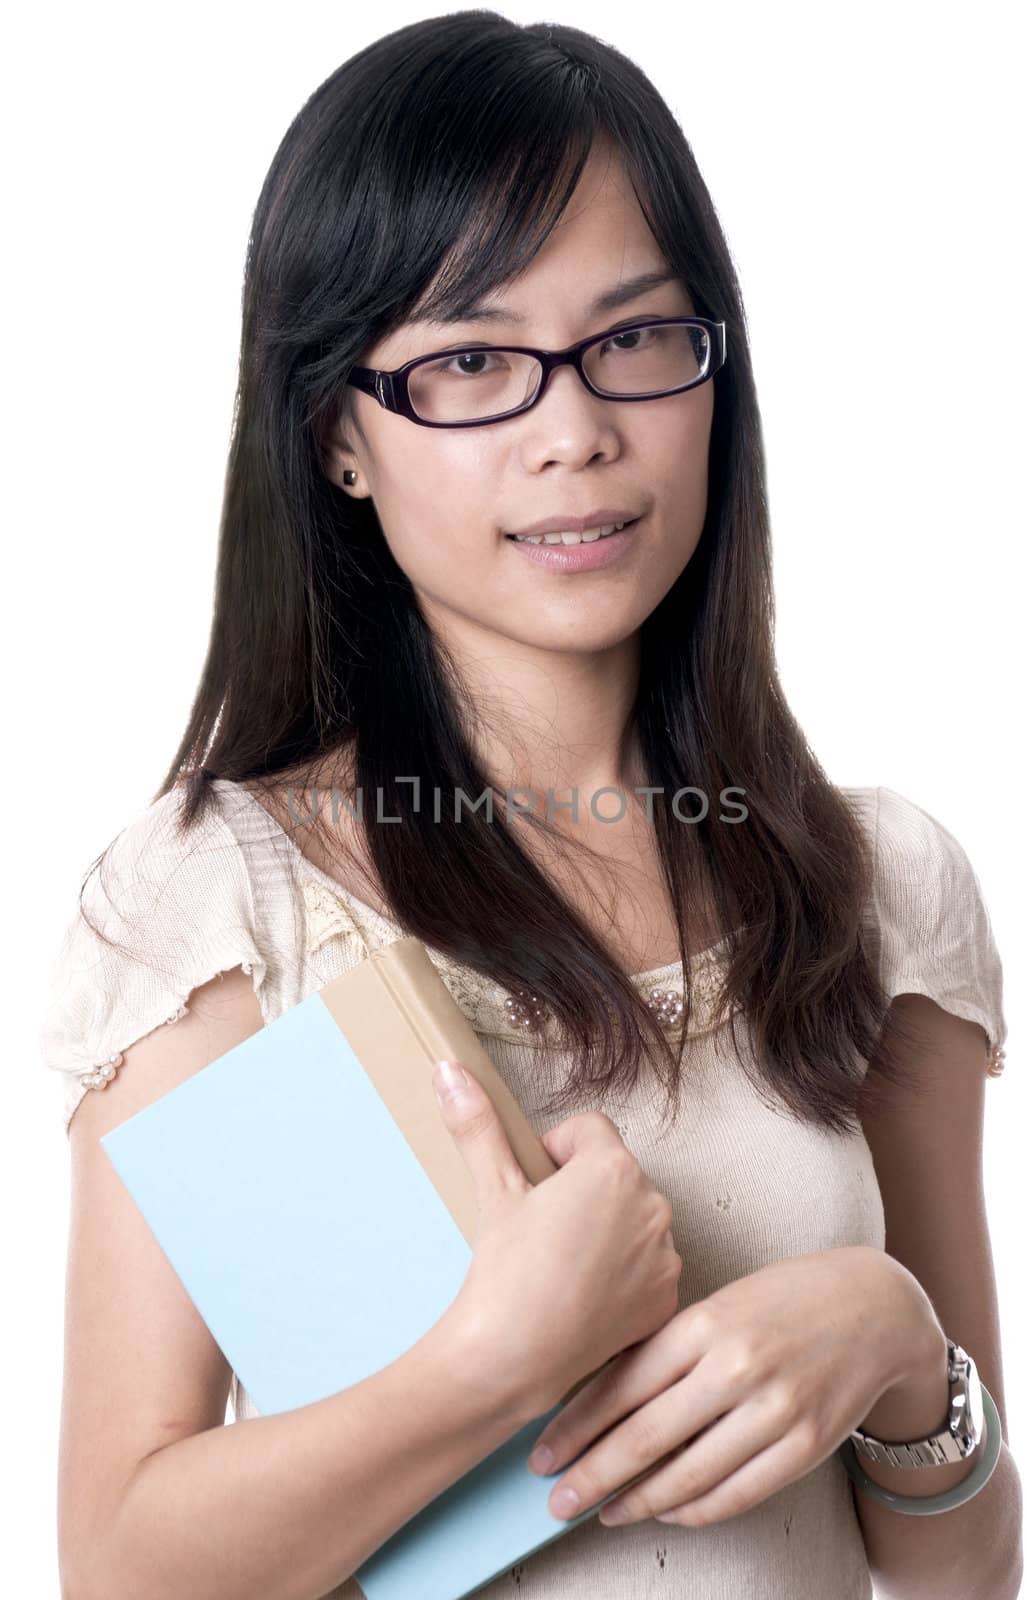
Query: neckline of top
x=711, y=953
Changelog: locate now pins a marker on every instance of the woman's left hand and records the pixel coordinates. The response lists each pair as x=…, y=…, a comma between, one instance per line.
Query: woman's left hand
x=748, y=1390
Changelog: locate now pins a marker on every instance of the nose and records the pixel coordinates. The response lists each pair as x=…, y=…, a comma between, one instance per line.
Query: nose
x=555, y=369
x=574, y=430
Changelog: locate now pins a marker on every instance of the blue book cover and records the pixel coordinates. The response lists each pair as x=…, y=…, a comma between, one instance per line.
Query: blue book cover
x=294, y=1183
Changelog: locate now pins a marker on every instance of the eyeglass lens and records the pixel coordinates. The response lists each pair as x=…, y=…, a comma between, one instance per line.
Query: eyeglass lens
x=472, y=385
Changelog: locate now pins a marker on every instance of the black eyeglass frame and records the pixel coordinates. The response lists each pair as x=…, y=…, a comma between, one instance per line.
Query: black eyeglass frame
x=391, y=388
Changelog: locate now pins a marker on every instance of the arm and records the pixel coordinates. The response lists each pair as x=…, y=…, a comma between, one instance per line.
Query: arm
x=288, y=1506
x=936, y=1226
x=905, y=1559
x=157, y=1497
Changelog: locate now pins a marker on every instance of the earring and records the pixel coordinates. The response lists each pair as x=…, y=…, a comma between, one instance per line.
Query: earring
x=349, y=477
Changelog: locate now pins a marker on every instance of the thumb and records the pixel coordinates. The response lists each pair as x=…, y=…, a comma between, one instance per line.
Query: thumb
x=474, y=1123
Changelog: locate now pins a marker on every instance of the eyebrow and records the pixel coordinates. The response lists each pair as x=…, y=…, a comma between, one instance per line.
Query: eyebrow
x=619, y=294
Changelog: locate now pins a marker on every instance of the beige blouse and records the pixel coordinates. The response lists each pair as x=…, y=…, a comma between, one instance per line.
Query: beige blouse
x=749, y=1184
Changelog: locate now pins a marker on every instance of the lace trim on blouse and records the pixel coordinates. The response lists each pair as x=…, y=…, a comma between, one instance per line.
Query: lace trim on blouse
x=516, y=1016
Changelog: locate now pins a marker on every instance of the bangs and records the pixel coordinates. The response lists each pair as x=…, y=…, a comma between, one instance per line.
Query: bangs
x=472, y=205
x=497, y=221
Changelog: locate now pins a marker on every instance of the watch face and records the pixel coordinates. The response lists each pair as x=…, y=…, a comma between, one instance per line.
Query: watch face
x=967, y=1399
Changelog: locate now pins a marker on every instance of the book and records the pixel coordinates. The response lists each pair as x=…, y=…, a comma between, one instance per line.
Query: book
x=319, y=1214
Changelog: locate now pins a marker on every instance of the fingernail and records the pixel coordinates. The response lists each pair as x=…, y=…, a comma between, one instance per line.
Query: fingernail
x=541, y=1459
x=449, y=1080
x=565, y=1502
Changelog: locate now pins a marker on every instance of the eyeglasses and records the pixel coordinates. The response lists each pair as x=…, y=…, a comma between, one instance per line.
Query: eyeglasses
x=476, y=384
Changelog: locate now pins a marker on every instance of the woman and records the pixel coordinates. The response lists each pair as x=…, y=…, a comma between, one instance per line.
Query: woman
x=667, y=887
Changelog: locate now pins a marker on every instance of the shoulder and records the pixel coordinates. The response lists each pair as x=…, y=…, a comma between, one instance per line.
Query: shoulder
x=907, y=834
x=164, y=908
x=924, y=876
x=324, y=823
x=912, y=848
x=158, y=846
x=929, y=912
x=162, y=880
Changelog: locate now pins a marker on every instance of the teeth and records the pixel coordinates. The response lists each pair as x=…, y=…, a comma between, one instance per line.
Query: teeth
x=588, y=537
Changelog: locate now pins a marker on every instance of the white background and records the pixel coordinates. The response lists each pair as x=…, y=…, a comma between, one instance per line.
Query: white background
x=866, y=164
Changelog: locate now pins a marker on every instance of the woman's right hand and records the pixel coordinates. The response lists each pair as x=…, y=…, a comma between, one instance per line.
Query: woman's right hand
x=568, y=1272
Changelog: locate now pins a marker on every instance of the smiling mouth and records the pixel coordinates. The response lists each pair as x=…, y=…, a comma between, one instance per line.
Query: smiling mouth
x=592, y=536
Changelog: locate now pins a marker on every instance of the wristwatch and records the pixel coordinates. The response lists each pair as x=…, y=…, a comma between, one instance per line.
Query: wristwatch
x=958, y=1438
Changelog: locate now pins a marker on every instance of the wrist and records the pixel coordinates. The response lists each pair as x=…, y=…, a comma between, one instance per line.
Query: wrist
x=914, y=1408
x=495, y=1385
x=917, y=1403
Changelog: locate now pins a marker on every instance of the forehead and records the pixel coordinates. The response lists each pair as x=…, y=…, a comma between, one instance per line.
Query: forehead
x=489, y=311
x=598, y=261
x=601, y=239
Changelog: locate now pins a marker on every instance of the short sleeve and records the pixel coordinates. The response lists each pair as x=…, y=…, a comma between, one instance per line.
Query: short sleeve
x=173, y=908
x=935, y=934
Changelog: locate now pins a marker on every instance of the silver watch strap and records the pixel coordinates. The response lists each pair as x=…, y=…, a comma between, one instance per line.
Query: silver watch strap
x=956, y=1439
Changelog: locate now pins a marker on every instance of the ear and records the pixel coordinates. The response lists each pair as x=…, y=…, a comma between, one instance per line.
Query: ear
x=338, y=456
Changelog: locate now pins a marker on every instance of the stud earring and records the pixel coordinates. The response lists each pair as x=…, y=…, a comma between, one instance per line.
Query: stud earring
x=349, y=477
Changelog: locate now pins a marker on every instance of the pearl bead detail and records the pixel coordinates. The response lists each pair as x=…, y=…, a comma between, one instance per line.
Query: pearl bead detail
x=102, y=1074
x=525, y=1010
x=667, y=1005
x=996, y=1061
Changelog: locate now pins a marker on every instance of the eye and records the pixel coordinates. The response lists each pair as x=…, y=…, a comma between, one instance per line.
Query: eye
x=467, y=356
x=645, y=336
x=462, y=362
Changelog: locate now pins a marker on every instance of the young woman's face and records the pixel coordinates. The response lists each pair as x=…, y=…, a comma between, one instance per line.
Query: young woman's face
x=447, y=497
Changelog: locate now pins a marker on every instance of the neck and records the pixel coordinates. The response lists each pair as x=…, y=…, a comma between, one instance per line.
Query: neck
x=560, y=725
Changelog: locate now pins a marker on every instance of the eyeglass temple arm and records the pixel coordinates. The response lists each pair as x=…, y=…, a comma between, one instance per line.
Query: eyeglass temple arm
x=375, y=383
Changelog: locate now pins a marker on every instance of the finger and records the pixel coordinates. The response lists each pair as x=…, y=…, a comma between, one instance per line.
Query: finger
x=641, y=1443
x=575, y=1133
x=474, y=1123
x=699, y=1465
x=638, y=1374
x=756, y=1480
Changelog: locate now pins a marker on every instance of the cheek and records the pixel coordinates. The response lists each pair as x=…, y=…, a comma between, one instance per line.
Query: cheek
x=439, y=512
x=444, y=544
x=690, y=470
x=692, y=445
x=460, y=507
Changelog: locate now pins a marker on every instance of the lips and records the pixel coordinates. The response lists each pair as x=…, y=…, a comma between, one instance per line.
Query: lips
x=581, y=557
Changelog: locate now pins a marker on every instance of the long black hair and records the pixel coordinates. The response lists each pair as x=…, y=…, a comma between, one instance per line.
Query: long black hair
x=429, y=167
